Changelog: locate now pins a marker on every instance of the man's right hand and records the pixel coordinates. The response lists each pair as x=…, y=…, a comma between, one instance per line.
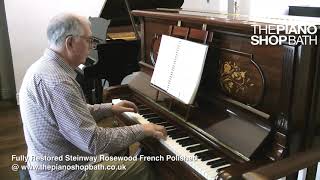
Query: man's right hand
x=155, y=131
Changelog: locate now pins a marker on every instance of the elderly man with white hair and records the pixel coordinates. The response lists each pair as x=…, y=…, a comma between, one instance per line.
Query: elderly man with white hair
x=57, y=121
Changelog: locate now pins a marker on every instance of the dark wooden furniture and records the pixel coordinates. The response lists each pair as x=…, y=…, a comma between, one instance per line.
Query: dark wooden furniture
x=254, y=102
x=287, y=166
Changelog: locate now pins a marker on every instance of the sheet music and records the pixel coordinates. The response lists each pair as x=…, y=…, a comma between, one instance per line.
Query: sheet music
x=99, y=27
x=179, y=67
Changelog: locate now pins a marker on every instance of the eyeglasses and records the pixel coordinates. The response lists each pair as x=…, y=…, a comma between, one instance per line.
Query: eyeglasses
x=91, y=40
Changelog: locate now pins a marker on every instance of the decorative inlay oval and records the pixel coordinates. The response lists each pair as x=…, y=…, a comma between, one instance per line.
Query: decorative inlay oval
x=240, y=77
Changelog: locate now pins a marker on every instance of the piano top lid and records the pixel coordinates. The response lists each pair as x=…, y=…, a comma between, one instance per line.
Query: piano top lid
x=226, y=20
x=116, y=9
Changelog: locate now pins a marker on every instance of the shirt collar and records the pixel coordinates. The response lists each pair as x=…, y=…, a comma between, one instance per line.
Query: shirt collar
x=57, y=58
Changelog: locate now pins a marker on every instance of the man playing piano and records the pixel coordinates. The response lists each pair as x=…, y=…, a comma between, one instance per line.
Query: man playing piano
x=57, y=122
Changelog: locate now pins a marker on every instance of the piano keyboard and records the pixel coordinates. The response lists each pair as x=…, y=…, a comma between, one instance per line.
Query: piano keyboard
x=182, y=144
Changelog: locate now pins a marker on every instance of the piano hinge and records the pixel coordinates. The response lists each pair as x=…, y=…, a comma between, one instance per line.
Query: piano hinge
x=179, y=23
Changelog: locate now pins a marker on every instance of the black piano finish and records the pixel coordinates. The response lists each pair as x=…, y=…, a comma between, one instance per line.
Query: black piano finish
x=304, y=11
x=116, y=9
x=117, y=58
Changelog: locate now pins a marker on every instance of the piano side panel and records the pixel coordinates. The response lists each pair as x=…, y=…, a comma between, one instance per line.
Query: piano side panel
x=302, y=119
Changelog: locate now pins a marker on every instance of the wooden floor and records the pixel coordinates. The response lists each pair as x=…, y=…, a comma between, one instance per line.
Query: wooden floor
x=11, y=138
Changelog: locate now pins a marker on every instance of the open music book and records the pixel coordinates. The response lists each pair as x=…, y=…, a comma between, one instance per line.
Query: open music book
x=179, y=67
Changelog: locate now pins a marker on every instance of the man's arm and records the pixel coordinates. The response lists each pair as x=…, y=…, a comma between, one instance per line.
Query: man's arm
x=99, y=111
x=77, y=125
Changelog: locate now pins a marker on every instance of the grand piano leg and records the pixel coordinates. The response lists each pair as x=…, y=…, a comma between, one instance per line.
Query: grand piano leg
x=98, y=91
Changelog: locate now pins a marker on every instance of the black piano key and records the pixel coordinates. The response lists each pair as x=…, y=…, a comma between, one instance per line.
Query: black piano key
x=201, y=154
x=141, y=106
x=205, y=158
x=165, y=124
x=197, y=148
x=178, y=135
x=145, y=111
x=176, y=131
x=217, y=163
x=184, y=140
x=187, y=142
x=156, y=120
x=219, y=169
x=211, y=152
x=207, y=155
x=171, y=128
x=149, y=115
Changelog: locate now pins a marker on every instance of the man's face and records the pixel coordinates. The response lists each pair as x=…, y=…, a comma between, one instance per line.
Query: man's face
x=82, y=46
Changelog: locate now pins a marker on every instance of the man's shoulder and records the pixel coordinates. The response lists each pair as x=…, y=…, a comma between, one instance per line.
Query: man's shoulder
x=48, y=71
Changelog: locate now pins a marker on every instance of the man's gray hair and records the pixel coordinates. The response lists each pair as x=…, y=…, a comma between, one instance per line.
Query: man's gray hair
x=64, y=25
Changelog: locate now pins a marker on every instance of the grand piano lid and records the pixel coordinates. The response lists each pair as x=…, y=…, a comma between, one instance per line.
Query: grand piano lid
x=116, y=10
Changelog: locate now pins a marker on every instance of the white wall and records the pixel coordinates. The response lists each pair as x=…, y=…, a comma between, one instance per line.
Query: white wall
x=208, y=6
x=27, y=21
x=269, y=8
x=251, y=7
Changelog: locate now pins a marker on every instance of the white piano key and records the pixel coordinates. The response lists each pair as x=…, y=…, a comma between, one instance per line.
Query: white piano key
x=192, y=145
x=318, y=171
x=168, y=130
x=185, y=137
x=302, y=174
x=161, y=123
x=283, y=178
x=172, y=145
x=168, y=127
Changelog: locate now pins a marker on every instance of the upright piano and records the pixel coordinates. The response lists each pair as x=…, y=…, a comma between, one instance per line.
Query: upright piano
x=253, y=103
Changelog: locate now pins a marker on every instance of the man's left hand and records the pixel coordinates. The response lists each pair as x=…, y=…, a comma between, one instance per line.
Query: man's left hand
x=124, y=106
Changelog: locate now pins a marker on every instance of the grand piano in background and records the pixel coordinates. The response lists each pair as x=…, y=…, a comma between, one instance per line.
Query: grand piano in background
x=255, y=104
x=119, y=56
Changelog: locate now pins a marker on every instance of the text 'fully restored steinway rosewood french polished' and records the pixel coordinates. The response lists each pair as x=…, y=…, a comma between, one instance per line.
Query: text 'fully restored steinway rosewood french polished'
x=252, y=105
